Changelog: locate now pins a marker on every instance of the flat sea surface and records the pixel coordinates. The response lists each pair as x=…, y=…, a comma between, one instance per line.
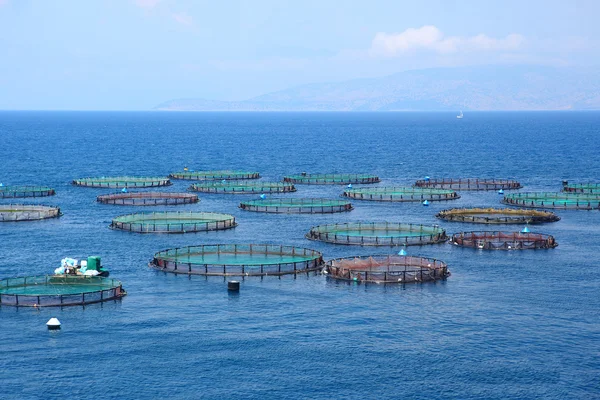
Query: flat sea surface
x=518, y=324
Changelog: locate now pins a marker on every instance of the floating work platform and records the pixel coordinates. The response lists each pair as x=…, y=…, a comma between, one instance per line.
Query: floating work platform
x=27, y=212
x=63, y=290
x=378, y=234
x=469, y=184
x=497, y=216
x=400, y=194
x=297, y=206
x=238, y=259
x=214, y=175
x=148, y=199
x=503, y=240
x=554, y=200
x=242, y=187
x=173, y=222
x=331, y=179
x=122, y=182
x=11, y=192
x=387, y=269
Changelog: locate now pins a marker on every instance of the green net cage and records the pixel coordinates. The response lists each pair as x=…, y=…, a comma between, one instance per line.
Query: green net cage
x=297, y=206
x=122, y=182
x=238, y=260
x=331, y=179
x=387, y=269
x=27, y=212
x=554, y=200
x=497, y=216
x=148, y=199
x=214, y=175
x=378, y=234
x=9, y=192
x=400, y=194
x=242, y=187
x=469, y=184
x=173, y=222
x=503, y=240
x=58, y=290
x=589, y=188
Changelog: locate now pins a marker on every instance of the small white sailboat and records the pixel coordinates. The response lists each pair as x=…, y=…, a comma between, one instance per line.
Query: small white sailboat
x=459, y=116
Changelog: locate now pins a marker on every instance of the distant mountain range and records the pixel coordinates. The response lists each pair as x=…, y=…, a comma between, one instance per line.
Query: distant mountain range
x=464, y=88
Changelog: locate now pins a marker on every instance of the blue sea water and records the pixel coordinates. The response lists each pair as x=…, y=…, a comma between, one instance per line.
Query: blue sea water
x=504, y=325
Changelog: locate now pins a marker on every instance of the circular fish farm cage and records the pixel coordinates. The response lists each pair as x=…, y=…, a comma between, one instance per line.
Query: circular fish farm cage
x=214, y=175
x=242, y=187
x=297, y=206
x=331, y=179
x=590, y=188
x=148, y=199
x=238, y=259
x=503, y=240
x=11, y=192
x=58, y=290
x=122, y=182
x=387, y=269
x=469, y=184
x=554, y=200
x=378, y=234
x=497, y=216
x=27, y=212
x=173, y=222
x=400, y=194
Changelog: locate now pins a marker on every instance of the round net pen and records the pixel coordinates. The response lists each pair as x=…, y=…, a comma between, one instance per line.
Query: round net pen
x=378, y=234
x=148, y=199
x=214, y=175
x=238, y=259
x=497, y=216
x=297, y=206
x=589, y=188
x=11, y=192
x=400, y=194
x=173, y=222
x=27, y=212
x=469, y=184
x=331, y=179
x=553, y=200
x=242, y=187
x=503, y=240
x=387, y=269
x=58, y=290
x=122, y=182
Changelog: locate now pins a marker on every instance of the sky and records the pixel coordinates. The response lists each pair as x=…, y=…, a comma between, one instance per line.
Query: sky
x=135, y=54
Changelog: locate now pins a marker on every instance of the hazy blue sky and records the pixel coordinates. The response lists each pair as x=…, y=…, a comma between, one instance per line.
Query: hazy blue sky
x=134, y=54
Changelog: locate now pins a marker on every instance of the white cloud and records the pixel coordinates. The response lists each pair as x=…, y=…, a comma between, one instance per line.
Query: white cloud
x=430, y=38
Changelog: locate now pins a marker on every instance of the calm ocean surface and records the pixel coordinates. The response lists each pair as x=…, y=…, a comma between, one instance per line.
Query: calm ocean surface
x=504, y=325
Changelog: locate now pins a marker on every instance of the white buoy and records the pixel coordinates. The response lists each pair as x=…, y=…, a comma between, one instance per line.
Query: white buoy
x=53, y=323
x=525, y=230
x=1, y=184
x=349, y=186
x=124, y=190
x=263, y=196
x=402, y=252
x=223, y=181
x=427, y=179
x=500, y=191
x=425, y=203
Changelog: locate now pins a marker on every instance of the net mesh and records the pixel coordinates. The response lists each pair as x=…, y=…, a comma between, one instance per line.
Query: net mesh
x=552, y=200
x=331, y=179
x=214, y=175
x=504, y=240
x=242, y=187
x=122, y=182
x=469, y=184
x=7, y=192
x=27, y=212
x=590, y=188
x=299, y=206
x=497, y=216
x=173, y=222
x=400, y=194
x=148, y=199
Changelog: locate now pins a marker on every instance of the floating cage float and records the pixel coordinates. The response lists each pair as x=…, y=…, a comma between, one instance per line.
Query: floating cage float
x=297, y=206
x=503, y=240
x=122, y=182
x=238, y=259
x=387, y=269
x=242, y=187
x=173, y=222
x=400, y=194
x=214, y=175
x=63, y=290
x=554, y=200
x=331, y=179
x=27, y=212
x=590, y=188
x=148, y=199
x=469, y=184
x=11, y=192
x=378, y=234
x=497, y=216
